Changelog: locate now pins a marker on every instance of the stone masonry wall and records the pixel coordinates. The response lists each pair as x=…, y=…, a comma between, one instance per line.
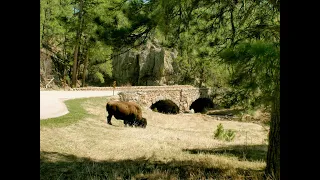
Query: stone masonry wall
x=182, y=96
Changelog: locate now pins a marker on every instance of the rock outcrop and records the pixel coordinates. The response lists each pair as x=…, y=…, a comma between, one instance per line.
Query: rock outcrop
x=150, y=65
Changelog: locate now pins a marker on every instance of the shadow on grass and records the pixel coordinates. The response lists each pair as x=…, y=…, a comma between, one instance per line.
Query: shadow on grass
x=242, y=152
x=55, y=165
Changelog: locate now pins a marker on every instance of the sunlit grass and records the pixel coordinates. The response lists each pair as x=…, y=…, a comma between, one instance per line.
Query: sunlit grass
x=81, y=145
x=76, y=112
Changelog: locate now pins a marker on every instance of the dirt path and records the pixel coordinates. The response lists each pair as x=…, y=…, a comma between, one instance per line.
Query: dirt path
x=52, y=105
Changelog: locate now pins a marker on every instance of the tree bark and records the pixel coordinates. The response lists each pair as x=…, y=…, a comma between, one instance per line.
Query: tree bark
x=273, y=154
x=44, y=23
x=76, y=49
x=64, y=78
x=85, y=69
x=80, y=57
x=43, y=34
x=64, y=64
x=232, y=27
x=74, y=69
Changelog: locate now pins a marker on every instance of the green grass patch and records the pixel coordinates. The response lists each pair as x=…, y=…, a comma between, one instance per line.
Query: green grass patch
x=76, y=112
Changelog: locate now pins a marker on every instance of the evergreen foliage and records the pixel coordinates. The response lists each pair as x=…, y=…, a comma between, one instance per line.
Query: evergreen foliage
x=231, y=46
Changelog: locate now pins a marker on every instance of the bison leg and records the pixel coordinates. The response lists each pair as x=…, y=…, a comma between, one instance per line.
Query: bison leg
x=109, y=119
x=125, y=122
x=131, y=124
x=135, y=123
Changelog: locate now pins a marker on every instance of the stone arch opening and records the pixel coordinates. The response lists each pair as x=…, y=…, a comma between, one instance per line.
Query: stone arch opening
x=165, y=106
x=202, y=105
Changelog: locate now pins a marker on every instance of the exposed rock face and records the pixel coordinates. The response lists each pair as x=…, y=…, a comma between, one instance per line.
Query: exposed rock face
x=151, y=65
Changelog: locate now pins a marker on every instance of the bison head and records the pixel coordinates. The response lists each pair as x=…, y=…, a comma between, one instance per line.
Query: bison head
x=141, y=123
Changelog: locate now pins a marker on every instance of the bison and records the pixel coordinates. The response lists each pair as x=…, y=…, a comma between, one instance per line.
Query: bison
x=201, y=105
x=165, y=106
x=129, y=112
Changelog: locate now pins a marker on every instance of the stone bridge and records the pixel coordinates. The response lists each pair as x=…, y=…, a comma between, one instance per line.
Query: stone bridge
x=182, y=95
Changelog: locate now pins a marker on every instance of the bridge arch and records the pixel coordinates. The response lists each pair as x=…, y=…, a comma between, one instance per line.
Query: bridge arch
x=183, y=96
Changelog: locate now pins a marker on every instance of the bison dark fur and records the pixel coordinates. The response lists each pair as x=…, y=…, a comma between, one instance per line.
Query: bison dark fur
x=129, y=112
x=201, y=105
x=165, y=106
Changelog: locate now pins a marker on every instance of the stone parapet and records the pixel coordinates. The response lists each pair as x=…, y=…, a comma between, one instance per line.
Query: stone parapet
x=182, y=95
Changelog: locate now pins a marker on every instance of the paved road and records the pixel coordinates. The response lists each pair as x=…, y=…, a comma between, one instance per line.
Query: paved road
x=52, y=105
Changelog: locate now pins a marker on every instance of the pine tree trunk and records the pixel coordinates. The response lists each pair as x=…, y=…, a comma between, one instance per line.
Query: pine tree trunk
x=232, y=27
x=273, y=155
x=74, y=69
x=43, y=34
x=76, y=49
x=64, y=78
x=43, y=24
x=79, y=61
x=64, y=65
x=85, y=69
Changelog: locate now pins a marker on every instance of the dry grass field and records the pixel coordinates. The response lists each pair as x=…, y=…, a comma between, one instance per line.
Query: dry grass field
x=173, y=147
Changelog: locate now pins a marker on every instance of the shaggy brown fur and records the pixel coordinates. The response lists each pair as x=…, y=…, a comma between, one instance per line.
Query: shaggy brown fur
x=129, y=112
x=165, y=106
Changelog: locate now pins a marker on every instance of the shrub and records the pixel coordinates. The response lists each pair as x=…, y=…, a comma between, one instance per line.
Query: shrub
x=68, y=80
x=229, y=135
x=98, y=77
x=222, y=134
x=219, y=132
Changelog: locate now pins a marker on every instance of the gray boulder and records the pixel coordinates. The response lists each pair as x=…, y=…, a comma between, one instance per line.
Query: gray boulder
x=149, y=65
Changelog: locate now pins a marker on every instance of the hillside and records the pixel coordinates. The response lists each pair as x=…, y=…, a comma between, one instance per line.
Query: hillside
x=172, y=146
